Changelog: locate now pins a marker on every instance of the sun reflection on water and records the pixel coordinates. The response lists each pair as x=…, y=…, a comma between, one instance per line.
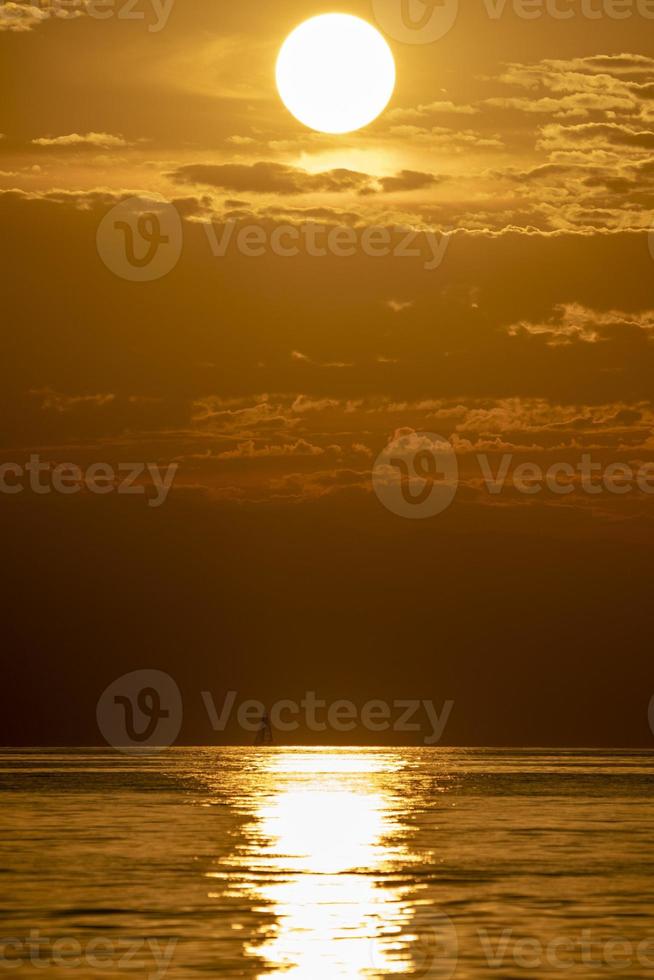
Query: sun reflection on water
x=322, y=848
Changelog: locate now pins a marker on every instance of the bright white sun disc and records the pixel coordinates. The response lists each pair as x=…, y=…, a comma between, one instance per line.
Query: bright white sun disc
x=335, y=73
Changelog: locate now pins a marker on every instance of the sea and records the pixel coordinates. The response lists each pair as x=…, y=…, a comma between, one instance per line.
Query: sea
x=325, y=863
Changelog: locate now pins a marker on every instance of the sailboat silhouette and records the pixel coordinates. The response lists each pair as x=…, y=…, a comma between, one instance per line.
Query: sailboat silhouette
x=264, y=732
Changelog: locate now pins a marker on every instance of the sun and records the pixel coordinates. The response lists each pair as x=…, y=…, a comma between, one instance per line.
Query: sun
x=335, y=73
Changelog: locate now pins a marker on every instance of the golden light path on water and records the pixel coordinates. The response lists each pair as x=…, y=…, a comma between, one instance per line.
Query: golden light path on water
x=329, y=863
x=321, y=849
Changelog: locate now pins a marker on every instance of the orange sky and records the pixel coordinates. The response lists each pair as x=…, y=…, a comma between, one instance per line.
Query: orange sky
x=526, y=146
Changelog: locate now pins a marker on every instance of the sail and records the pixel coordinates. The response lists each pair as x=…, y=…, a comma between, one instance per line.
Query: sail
x=264, y=732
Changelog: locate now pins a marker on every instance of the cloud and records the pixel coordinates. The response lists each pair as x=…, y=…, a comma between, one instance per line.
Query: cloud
x=24, y=15
x=430, y=110
x=301, y=358
x=326, y=215
x=104, y=141
x=454, y=140
x=577, y=104
x=572, y=322
x=268, y=178
x=612, y=87
x=276, y=178
x=304, y=404
x=250, y=450
x=407, y=180
x=606, y=135
x=615, y=64
x=58, y=402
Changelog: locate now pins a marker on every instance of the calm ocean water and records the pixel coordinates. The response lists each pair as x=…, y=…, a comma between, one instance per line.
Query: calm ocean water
x=327, y=863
